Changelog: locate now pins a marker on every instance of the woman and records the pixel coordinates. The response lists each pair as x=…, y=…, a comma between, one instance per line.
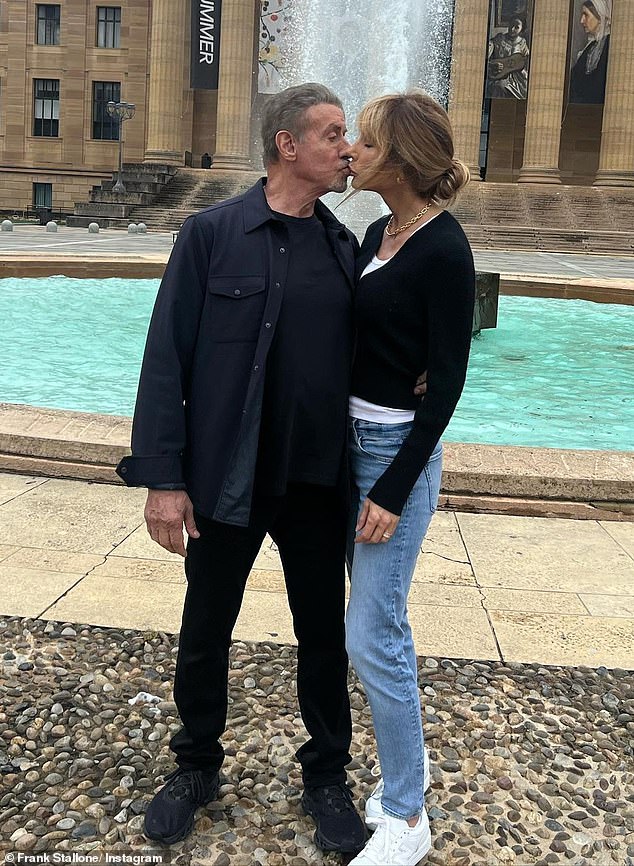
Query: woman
x=414, y=310
x=508, y=53
x=589, y=74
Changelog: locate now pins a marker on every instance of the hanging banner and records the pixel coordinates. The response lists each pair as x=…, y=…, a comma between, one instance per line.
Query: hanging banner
x=589, y=50
x=509, y=49
x=275, y=16
x=205, y=46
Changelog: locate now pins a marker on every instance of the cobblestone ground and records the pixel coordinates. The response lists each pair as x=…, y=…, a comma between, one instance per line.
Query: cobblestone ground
x=530, y=765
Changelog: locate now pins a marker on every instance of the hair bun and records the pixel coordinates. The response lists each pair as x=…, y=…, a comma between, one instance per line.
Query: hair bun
x=453, y=179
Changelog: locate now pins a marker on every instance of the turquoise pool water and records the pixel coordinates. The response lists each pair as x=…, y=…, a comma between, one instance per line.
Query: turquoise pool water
x=554, y=373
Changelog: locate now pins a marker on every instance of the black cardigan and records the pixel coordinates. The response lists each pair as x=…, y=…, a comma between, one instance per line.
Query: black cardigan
x=415, y=313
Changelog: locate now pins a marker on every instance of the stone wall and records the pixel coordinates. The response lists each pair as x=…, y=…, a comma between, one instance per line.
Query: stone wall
x=506, y=140
x=73, y=161
x=581, y=144
x=16, y=188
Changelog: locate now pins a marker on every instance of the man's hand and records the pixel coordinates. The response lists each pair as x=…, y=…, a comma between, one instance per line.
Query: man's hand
x=421, y=385
x=375, y=524
x=165, y=513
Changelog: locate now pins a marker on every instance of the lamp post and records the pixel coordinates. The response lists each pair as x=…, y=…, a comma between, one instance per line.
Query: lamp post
x=120, y=111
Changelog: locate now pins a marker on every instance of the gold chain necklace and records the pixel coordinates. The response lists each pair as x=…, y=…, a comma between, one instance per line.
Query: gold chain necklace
x=419, y=215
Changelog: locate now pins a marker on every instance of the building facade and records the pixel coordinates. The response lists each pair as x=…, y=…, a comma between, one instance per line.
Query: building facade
x=536, y=94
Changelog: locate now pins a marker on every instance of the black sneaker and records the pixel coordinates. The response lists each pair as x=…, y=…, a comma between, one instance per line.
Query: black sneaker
x=170, y=815
x=339, y=826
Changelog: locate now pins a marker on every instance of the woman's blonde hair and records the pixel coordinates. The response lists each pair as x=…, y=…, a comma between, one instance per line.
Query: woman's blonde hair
x=413, y=136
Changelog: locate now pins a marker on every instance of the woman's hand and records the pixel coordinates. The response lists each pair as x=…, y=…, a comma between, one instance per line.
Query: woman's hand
x=375, y=524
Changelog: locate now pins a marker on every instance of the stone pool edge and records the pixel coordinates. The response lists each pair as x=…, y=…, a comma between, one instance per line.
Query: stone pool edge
x=518, y=480
x=152, y=266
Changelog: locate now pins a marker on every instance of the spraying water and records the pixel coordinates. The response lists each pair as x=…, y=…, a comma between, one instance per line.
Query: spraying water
x=362, y=49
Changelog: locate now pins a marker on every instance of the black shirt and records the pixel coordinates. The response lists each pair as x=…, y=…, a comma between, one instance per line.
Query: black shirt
x=303, y=430
x=415, y=313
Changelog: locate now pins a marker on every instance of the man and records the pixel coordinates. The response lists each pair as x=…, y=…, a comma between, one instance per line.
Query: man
x=240, y=430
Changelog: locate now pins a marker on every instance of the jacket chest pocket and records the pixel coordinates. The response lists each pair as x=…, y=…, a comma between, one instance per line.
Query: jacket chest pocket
x=237, y=307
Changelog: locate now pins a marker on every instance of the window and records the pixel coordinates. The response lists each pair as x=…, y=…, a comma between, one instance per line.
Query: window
x=42, y=195
x=47, y=24
x=104, y=126
x=46, y=107
x=108, y=26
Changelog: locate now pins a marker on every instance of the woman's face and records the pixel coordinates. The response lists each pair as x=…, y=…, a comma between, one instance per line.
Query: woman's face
x=589, y=21
x=515, y=27
x=363, y=155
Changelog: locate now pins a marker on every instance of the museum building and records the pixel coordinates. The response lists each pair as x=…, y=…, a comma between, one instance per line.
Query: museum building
x=541, y=91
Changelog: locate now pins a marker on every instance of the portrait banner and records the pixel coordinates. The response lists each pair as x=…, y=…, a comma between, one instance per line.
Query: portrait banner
x=509, y=48
x=205, y=45
x=589, y=50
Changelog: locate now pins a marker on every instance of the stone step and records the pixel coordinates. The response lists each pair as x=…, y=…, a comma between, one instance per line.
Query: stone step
x=103, y=209
x=103, y=222
x=151, y=183
x=150, y=168
x=128, y=197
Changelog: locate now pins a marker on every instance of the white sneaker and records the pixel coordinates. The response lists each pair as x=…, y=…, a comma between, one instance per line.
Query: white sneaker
x=395, y=843
x=374, y=806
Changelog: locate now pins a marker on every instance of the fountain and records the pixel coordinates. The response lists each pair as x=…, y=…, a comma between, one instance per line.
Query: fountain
x=364, y=48
x=361, y=49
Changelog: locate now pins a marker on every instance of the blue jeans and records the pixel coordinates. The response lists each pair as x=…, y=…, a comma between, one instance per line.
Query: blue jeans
x=378, y=634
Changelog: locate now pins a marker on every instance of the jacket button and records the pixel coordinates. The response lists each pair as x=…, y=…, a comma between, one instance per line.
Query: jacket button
x=278, y=285
x=282, y=249
x=256, y=368
x=267, y=325
x=237, y=292
x=123, y=470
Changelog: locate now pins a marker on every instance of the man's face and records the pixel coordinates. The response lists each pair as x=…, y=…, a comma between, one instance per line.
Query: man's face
x=321, y=151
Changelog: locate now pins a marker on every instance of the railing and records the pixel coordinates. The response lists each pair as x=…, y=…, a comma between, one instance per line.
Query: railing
x=43, y=214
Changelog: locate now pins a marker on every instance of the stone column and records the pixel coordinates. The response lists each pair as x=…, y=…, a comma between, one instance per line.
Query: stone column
x=616, y=164
x=468, y=59
x=546, y=92
x=165, y=104
x=235, y=87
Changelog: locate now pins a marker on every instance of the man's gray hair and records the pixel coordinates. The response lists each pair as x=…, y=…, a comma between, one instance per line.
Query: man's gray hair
x=287, y=110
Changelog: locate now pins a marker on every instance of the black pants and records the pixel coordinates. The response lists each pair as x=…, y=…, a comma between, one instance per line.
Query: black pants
x=308, y=525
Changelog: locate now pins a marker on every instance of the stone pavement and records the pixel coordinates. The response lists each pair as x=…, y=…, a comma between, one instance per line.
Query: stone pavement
x=112, y=242
x=496, y=587
x=530, y=766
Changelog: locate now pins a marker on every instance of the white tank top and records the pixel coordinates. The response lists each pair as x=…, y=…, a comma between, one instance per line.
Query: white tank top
x=362, y=409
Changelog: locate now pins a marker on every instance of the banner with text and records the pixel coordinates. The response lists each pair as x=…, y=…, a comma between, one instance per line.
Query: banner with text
x=205, y=62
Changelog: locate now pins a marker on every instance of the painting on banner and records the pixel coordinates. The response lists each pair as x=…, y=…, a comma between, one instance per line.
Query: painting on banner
x=589, y=50
x=509, y=49
x=275, y=16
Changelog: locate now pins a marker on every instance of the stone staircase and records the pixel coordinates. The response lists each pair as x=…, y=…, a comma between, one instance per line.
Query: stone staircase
x=191, y=190
x=495, y=216
x=143, y=183
x=548, y=218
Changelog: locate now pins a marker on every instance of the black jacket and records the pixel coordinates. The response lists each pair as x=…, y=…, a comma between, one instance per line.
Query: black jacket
x=197, y=417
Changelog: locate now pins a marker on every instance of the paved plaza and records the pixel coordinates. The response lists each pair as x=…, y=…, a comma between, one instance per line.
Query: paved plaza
x=524, y=628
x=497, y=587
x=77, y=242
